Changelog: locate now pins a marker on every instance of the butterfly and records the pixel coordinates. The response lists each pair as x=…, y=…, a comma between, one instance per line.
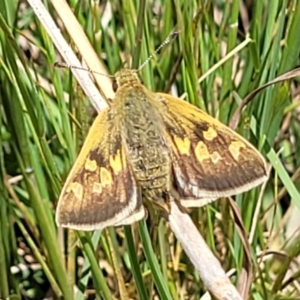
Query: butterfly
x=153, y=148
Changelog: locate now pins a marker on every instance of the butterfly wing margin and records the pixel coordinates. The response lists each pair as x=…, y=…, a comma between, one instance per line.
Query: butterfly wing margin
x=209, y=160
x=100, y=190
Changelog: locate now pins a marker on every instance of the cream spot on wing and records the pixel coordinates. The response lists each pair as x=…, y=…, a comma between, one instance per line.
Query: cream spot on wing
x=234, y=148
x=115, y=162
x=97, y=188
x=210, y=134
x=77, y=189
x=201, y=152
x=183, y=145
x=215, y=157
x=105, y=177
x=90, y=165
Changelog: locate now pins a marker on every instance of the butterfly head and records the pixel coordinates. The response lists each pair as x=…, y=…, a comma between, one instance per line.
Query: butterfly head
x=125, y=77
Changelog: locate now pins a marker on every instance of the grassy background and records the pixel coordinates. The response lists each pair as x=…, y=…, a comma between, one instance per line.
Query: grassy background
x=45, y=116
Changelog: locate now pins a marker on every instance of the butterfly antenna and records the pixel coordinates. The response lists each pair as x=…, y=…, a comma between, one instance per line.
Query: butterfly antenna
x=66, y=66
x=169, y=39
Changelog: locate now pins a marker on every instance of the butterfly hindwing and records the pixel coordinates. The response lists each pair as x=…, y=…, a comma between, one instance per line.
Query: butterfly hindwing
x=100, y=190
x=209, y=160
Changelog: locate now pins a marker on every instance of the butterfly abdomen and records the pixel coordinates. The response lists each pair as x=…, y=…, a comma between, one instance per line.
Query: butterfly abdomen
x=146, y=147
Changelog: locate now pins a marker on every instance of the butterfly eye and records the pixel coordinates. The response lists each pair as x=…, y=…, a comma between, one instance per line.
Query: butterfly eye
x=115, y=85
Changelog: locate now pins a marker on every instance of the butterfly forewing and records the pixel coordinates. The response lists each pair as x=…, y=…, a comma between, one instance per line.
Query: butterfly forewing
x=101, y=189
x=209, y=160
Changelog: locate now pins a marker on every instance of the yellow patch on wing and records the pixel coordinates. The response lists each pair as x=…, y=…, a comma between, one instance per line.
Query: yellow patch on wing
x=234, y=148
x=105, y=177
x=183, y=145
x=77, y=189
x=97, y=188
x=201, y=152
x=116, y=162
x=215, y=157
x=90, y=165
x=210, y=134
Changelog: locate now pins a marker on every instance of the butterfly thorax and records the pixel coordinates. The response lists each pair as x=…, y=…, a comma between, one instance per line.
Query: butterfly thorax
x=142, y=132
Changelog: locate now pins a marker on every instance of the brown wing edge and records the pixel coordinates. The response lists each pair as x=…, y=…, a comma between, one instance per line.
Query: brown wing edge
x=198, y=201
